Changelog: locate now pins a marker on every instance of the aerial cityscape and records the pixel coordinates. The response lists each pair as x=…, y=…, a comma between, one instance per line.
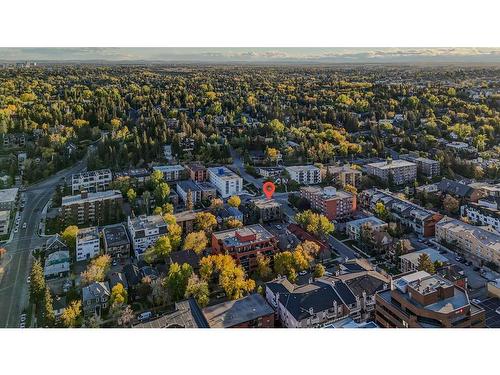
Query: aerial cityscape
x=266, y=189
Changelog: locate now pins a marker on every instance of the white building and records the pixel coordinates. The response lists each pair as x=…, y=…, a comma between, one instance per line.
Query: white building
x=8, y=198
x=401, y=171
x=485, y=212
x=226, y=181
x=171, y=172
x=353, y=228
x=305, y=174
x=92, y=181
x=145, y=231
x=87, y=243
x=409, y=262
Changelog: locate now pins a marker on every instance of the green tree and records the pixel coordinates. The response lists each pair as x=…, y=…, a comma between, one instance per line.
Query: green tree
x=425, y=264
x=162, y=192
x=381, y=211
x=37, y=282
x=177, y=280
x=198, y=289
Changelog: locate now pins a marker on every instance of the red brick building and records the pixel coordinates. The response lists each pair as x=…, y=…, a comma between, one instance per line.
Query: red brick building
x=334, y=204
x=243, y=244
x=197, y=172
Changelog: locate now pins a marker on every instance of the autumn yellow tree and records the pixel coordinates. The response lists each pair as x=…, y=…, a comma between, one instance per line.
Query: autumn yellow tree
x=196, y=241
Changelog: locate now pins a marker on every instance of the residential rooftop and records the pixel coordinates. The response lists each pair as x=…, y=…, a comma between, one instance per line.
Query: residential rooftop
x=241, y=236
x=91, y=197
x=398, y=163
x=87, y=234
x=8, y=195
x=115, y=235
x=223, y=173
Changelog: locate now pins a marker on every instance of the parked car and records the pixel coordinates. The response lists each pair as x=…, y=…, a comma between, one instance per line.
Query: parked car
x=22, y=318
x=25, y=225
x=145, y=316
x=476, y=301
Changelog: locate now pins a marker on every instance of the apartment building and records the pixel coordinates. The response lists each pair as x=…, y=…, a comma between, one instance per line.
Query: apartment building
x=334, y=204
x=144, y=232
x=421, y=300
x=304, y=174
x=243, y=244
x=409, y=262
x=4, y=222
x=92, y=208
x=269, y=172
x=87, y=243
x=266, y=210
x=421, y=220
x=197, y=172
x=480, y=244
x=200, y=191
x=354, y=227
x=116, y=241
x=398, y=171
x=343, y=175
x=427, y=167
x=92, y=181
x=486, y=212
x=171, y=172
x=226, y=181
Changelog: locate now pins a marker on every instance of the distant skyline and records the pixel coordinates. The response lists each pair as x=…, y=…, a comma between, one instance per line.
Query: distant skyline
x=256, y=55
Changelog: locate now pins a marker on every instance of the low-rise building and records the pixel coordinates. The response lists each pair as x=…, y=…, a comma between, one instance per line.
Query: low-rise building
x=227, y=212
x=171, y=172
x=251, y=311
x=266, y=210
x=421, y=300
x=116, y=241
x=343, y=175
x=243, y=244
x=483, y=214
x=144, y=232
x=396, y=171
x=56, y=264
x=353, y=228
x=92, y=181
x=95, y=298
x=427, y=167
x=4, y=222
x=187, y=314
x=305, y=174
x=92, y=208
x=186, y=220
x=269, y=172
x=421, y=220
x=226, y=181
x=334, y=204
x=139, y=176
x=409, y=262
x=200, y=191
x=8, y=198
x=463, y=192
x=478, y=243
x=87, y=243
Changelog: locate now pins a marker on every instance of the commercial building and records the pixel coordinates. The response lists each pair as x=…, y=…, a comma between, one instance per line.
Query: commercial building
x=396, y=171
x=266, y=210
x=421, y=300
x=334, y=204
x=200, y=191
x=144, y=232
x=305, y=174
x=427, y=167
x=171, y=172
x=421, y=220
x=92, y=208
x=116, y=241
x=92, y=181
x=478, y=243
x=227, y=182
x=409, y=262
x=8, y=199
x=197, y=172
x=87, y=243
x=343, y=175
x=243, y=244
x=353, y=228
x=251, y=311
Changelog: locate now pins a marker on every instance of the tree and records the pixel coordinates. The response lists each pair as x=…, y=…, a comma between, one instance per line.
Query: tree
x=234, y=201
x=177, y=280
x=425, y=264
x=69, y=236
x=146, y=197
x=314, y=223
x=233, y=223
x=277, y=126
x=156, y=177
x=159, y=291
x=189, y=200
x=162, y=192
x=131, y=196
x=310, y=248
x=450, y=204
x=216, y=204
x=380, y=211
x=96, y=270
x=126, y=317
x=37, y=283
x=350, y=189
x=196, y=241
x=205, y=221
x=319, y=270
x=198, y=289
x=160, y=251
x=119, y=295
x=175, y=235
x=48, y=311
x=71, y=317
x=263, y=270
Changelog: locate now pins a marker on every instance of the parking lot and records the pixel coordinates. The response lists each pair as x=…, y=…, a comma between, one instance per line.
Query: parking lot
x=492, y=318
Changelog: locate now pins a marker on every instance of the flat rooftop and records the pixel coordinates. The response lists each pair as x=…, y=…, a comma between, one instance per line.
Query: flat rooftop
x=232, y=313
x=169, y=168
x=302, y=168
x=87, y=234
x=147, y=222
x=115, y=235
x=266, y=203
x=8, y=195
x=223, y=173
x=487, y=238
x=432, y=253
x=91, y=197
x=229, y=237
x=399, y=163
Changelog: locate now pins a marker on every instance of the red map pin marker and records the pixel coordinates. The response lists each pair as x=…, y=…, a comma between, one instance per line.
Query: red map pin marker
x=268, y=189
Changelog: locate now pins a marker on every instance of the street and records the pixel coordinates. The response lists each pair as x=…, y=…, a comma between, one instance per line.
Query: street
x=14, y=289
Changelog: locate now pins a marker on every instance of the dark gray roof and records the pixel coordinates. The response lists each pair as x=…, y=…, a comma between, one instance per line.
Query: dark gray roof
x=455, y=188
x=185, y=256
x=131, y=272
x=187, y=314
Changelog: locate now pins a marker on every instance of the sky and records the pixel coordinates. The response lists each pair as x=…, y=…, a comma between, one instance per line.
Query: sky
x=256, y=55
